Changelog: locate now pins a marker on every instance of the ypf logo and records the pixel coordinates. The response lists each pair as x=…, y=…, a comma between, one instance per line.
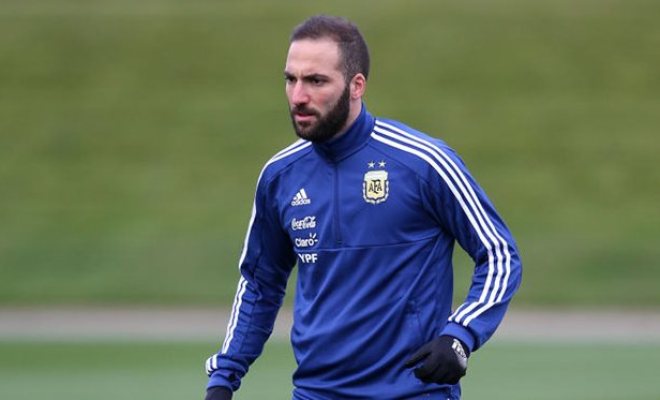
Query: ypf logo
x=308, y=258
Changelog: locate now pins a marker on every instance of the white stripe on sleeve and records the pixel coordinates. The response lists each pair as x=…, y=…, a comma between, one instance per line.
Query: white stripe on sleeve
x=242, y=283
x=485, y=226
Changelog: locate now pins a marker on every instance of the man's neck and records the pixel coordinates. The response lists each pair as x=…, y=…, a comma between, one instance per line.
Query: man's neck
x=353, y=114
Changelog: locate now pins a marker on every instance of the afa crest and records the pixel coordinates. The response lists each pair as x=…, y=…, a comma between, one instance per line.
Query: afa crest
x=375, y=187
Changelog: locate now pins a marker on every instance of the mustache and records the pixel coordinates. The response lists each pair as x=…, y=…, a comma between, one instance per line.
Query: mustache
x=303, y=110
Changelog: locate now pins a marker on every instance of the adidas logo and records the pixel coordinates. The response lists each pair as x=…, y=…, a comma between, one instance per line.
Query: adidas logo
x=300, y=199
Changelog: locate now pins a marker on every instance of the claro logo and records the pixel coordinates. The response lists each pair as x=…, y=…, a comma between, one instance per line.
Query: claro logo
x=306, y=242
x=308, y=222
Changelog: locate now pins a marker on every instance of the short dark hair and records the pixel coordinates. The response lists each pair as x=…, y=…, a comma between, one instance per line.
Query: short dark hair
x=346, y=34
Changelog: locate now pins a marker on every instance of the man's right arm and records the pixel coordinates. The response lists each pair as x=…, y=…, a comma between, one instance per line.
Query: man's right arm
x=265, y=264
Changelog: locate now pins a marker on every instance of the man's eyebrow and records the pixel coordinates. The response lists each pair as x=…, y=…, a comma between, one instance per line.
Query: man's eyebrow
x=308, y=77
x=316, y=77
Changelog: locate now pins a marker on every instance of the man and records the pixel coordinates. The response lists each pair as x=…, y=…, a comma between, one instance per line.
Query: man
x=369, y=209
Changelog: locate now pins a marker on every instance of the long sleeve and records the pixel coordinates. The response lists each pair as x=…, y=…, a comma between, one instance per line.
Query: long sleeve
x=265, y=264
x=465, y=212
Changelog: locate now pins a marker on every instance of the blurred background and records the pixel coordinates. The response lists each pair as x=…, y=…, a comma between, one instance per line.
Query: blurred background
x=132, y=135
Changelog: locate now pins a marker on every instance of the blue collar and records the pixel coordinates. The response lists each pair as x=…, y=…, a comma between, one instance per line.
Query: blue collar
x=351, y=141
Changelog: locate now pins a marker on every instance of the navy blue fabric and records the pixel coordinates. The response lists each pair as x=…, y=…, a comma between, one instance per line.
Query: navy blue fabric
x=370, y=219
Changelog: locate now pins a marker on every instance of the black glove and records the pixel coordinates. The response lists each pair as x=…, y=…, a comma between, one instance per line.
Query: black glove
x=445, y=360
x=218, y=393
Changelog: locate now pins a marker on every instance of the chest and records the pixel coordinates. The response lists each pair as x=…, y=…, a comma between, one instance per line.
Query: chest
x=367, y=200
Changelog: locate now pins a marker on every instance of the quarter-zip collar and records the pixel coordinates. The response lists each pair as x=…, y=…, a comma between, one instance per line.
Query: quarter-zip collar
x=351, y=141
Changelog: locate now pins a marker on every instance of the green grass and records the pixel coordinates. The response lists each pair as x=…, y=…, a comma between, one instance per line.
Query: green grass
x=72, y=371
x=132, y=133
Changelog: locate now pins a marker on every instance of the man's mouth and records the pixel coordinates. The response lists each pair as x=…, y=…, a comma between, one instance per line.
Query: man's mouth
x=304, y=116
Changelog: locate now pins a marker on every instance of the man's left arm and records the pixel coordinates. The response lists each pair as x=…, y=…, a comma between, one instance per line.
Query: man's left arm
x=466, y=213
x=472, y=219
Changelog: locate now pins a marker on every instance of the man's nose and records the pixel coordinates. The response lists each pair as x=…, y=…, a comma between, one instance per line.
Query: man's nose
x=298, y=94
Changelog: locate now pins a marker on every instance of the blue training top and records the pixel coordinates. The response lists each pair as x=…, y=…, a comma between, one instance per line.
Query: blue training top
x=371, y=219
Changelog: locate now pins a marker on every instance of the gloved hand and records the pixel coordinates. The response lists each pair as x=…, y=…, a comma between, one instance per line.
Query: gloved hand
x=218, y=393
x=444, y=360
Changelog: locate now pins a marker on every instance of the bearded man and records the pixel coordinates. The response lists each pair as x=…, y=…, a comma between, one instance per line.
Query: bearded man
x=369, y=210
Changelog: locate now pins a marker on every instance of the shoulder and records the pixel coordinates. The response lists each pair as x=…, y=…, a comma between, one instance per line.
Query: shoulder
x=283, y=159
x=398, y=132
x=412, y=145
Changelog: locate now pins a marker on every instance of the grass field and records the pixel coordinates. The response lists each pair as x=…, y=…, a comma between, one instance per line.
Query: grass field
x=132, y=133
x=501, y=371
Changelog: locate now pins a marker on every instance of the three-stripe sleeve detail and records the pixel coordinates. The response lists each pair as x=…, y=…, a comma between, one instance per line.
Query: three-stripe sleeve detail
x=235, y=310
x=499, y=258
x=211, y=364
x=242, y=283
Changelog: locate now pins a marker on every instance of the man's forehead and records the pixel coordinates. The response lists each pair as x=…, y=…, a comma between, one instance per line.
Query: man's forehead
x=313, y=54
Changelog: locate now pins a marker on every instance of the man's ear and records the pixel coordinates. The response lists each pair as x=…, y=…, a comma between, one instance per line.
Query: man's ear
x=358, y=86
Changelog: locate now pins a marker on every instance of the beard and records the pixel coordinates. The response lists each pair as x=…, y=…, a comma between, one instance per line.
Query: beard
x=326, y=126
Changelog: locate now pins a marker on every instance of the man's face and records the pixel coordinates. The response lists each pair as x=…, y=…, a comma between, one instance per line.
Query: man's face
x=317, y=92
